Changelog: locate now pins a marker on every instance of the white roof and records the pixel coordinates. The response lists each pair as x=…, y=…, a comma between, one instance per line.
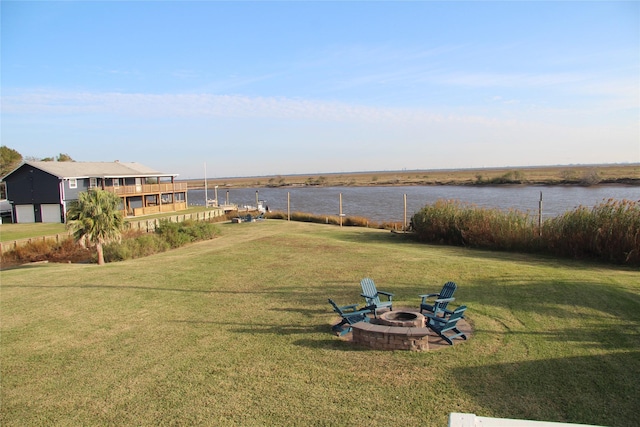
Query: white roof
x=97, y=169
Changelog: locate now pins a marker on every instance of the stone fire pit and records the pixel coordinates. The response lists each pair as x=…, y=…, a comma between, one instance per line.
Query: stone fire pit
x=394, y=330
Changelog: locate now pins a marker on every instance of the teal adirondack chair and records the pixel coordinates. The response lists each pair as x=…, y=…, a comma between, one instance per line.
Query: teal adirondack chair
x=447, y=292
x=372, y=297
x=447, y=323
x=349, y=316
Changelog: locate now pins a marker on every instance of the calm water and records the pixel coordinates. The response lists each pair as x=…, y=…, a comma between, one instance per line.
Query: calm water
x=387, y=203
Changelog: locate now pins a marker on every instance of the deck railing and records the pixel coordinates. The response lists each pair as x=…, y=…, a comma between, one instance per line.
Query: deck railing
x=165, y=207
x=125, y=190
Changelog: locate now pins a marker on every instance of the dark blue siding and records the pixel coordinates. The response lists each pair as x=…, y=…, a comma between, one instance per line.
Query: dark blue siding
x=28, y=185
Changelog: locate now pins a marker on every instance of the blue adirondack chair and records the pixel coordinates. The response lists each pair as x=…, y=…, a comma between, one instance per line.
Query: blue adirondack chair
x=440, y=325
x=447, y=292
x=372, y=296
x=349, y=316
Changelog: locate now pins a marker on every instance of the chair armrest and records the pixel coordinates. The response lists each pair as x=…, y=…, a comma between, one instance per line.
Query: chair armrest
x=385, y=293
x=429, y=295
x=367, y=296
x=348, y=307
x=425, y=296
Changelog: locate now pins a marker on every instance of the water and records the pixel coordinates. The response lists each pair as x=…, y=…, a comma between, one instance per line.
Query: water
x=387, y=203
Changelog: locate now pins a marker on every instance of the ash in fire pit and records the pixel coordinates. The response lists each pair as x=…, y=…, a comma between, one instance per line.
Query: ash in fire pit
x=403, y=319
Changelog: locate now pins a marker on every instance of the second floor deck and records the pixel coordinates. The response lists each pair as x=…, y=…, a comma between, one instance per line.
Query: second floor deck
x=142, y=189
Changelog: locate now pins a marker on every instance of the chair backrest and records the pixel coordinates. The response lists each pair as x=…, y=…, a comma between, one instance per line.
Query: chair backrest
x=447, y=290
x=369, y=289
x=335, y=307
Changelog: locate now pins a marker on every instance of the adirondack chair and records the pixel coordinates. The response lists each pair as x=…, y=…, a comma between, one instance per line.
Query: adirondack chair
x=446, y=292
x=349, y=316
x=440, y=325
x=372, y=297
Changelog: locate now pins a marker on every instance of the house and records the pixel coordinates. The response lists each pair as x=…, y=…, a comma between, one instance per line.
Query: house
x=42, y=191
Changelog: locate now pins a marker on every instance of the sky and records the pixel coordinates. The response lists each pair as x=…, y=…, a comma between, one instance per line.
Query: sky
x=242, y=88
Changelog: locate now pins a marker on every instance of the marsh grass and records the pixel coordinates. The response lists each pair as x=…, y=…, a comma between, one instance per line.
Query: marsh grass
x=541, y=175
x=610, y=231
x=236, y=331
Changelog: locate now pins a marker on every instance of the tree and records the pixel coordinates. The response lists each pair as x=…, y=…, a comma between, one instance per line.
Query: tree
x=9, y=160
x=63, y=157
x=96, y=216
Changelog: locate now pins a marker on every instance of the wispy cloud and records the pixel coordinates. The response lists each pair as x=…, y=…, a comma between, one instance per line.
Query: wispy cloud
x=208, y=105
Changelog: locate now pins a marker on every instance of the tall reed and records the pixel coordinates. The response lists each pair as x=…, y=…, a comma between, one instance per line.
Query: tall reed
x=456, y=223
x=610, y=231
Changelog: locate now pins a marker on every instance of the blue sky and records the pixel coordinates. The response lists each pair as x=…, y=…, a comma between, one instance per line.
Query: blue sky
x=296, y=87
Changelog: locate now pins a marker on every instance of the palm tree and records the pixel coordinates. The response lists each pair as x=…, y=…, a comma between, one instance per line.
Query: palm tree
x=96, y=216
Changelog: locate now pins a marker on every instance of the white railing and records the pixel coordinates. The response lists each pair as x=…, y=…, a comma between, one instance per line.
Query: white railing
x=457, y=419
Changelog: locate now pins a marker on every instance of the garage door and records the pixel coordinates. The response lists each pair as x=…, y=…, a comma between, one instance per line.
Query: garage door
x=50, y=213
x=24, y=214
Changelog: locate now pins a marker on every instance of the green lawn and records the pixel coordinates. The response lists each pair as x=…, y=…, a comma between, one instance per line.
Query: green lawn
x=9, y=232
x=236, y=331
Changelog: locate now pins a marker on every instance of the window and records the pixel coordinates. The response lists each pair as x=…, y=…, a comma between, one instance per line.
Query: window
x=73, y=183
x=116, y=182
x=93, y=182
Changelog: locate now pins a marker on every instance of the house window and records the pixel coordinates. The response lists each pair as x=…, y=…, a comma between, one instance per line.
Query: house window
x=73, y=183
x=116, y=182
x=93, y=182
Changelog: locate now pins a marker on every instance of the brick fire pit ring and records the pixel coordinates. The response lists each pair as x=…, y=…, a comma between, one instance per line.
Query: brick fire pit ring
x=393, y=330
x=402, y=319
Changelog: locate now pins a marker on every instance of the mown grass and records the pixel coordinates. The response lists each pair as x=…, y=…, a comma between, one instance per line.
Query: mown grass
x=10, y=232
x=347, y=221
x=236, y=331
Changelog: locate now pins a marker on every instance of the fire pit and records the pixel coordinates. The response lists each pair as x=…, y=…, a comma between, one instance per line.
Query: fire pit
x=403, y=319
x=393, y=330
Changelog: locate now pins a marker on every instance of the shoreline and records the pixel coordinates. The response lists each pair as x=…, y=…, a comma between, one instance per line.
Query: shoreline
x=585, y=176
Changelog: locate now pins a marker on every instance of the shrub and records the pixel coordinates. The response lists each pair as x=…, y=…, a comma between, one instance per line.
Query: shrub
x=173, y=233
x=66, y=250
x=135, y=247
x=134, y=244
x=591, y=177
x=177, y=234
